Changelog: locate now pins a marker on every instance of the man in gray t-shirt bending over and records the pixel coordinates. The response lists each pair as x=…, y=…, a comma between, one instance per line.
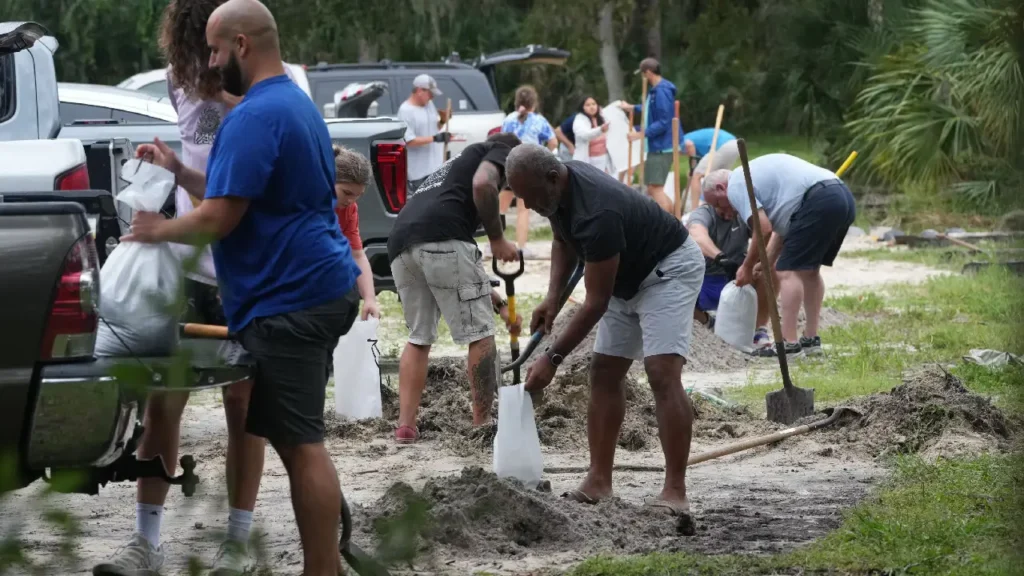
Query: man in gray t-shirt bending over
x=423, y=135
x=806, y=210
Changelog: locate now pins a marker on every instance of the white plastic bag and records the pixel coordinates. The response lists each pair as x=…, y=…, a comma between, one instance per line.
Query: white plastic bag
x=736, y=320
x=516, y=445
x=356, y=373
x=139, y=282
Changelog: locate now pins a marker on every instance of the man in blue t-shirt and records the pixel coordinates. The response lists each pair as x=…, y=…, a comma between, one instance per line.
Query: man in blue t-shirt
x=567, y=137
x=286, y=272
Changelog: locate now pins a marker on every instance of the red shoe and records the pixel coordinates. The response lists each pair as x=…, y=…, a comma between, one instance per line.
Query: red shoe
x=406, y=435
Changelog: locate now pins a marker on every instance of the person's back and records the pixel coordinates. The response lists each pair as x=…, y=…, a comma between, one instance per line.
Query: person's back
x=287, y=252
x=702, y=139
x=780, y=181
x=600, y=205
x=443, y=208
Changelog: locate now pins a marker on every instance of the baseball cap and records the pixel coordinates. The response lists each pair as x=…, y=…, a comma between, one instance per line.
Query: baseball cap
x=648, y=65
x=426, y=82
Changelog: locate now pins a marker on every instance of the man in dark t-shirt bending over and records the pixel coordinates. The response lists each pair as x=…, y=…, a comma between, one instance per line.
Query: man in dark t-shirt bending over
x=642, y=274
x=438, y=271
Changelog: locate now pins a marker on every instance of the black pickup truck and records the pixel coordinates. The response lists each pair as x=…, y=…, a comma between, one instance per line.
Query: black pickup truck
x=65, y=415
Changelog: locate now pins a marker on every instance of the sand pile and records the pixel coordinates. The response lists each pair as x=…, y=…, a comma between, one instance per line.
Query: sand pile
x=477, y=515
x=931, y=413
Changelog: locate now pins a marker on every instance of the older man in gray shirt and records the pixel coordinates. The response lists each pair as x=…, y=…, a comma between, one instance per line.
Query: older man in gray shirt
x=807, y=211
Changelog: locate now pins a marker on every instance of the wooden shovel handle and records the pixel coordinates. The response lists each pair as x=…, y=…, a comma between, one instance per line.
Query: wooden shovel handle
x=762, y=249
x=205, y=331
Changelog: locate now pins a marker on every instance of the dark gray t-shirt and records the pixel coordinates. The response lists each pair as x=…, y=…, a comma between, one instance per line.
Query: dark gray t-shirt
x=731, y=236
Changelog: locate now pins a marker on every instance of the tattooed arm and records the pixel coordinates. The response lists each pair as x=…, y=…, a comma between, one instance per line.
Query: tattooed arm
x=485, y=195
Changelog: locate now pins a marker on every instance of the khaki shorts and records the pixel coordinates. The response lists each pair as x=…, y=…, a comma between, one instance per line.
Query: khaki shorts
x=657, y=167
x=448, y=279
x=726, y=157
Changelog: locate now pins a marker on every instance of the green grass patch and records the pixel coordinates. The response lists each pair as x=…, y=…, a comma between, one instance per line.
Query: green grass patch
x=950, y=517
x=799, y=146
x=948, y=258
x=905, y=326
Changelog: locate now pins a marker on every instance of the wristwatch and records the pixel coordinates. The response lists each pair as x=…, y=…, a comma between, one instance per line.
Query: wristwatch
x=500, y=304
x=555, y=359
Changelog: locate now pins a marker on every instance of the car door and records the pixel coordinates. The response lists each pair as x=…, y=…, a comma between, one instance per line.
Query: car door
x=530, y=54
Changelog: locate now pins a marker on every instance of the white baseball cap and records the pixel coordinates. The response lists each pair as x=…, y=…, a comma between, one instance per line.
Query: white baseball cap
x=426, y=82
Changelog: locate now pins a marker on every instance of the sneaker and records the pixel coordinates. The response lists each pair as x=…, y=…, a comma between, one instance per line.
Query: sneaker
x=406, y=435
x=233, y=559
x=811, y=346
x=136, y=558
x=762, y=339
x=793, y=350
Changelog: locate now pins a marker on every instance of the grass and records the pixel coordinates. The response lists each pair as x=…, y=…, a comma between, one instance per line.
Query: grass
x=948, y=517
x=939, y=320
x=948, y=258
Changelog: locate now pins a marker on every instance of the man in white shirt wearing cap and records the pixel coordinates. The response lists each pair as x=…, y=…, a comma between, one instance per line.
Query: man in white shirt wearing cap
x=423, y=135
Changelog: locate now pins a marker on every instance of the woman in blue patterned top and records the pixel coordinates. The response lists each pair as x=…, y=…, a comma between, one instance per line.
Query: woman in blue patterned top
x=530, y=127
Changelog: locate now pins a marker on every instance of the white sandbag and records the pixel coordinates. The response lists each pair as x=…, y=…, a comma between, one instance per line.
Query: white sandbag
x=139, y=282
x=617, y=139
x=517, y=445
x=357, y=374
x=736, y=319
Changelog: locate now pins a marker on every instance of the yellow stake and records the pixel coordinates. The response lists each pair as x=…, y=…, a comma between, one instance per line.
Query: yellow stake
x=849, y=160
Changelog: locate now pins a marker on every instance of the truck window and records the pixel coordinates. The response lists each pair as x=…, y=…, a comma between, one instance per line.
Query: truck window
x=132, y=118
x=6, y=87
x=324, y=93
x=462, y=101
x=70, y=112
x=158, y=88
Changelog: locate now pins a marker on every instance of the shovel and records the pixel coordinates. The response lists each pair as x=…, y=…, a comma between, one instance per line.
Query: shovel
x=510, y=294
x=791, y=403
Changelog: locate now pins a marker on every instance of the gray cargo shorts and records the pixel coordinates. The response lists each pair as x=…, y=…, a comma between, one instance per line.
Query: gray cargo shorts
x=659, y=319
x=436, y=279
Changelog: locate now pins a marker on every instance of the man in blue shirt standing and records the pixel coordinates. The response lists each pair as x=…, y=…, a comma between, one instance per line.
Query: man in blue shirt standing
x=567, y=137
x=286, y=271
x=661, y=109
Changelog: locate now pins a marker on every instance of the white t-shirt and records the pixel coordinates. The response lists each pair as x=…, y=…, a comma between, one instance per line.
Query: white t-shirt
x=780, y=181
x=421, y=121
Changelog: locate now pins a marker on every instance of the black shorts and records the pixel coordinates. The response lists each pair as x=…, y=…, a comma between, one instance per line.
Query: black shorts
x=818, y=227
x=203, y=306
x=293, y=353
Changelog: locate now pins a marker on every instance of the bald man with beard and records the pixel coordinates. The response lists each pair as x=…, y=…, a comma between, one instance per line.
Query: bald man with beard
x=286, y=273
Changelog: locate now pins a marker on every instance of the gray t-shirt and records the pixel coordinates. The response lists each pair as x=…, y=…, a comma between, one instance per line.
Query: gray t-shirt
x=731, y=236
x=421, y=121
x=780, y=181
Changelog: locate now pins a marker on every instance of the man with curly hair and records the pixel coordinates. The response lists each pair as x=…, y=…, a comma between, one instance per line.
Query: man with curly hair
x=197, y=93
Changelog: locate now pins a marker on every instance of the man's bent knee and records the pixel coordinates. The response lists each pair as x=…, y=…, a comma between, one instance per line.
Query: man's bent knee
x=664, y=372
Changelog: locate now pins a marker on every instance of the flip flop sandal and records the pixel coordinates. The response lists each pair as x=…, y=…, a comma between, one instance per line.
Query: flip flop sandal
x=685, y=524
x=406, y=435
x=580, y=496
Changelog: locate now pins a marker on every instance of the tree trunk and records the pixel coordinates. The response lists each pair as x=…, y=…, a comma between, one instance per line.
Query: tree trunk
x=876, y=13
x=610, y=53
x=367, y=51
x=653, y=21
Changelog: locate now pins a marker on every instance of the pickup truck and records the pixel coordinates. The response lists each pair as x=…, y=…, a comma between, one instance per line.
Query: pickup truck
x=40, y=150
x=68, y=417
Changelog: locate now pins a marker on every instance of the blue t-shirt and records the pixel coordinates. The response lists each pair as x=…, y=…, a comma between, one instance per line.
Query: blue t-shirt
x=702, y=139
x=534, y=130
x=287, y=253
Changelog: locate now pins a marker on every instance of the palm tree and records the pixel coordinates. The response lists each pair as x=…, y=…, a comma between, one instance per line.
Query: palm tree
x=945, y=109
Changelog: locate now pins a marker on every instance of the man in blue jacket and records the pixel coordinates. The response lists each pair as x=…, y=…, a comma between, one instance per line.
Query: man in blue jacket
x=661, y=108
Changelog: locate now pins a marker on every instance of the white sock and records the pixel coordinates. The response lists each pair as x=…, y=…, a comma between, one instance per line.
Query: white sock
x=147, y=522
x=239, y=525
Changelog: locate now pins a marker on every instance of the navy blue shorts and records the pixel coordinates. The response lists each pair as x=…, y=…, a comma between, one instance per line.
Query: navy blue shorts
x=818, y=227
x=711, y=292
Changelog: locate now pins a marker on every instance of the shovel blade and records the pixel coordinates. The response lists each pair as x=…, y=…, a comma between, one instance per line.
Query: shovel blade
x=362, y=563
x=789, y=404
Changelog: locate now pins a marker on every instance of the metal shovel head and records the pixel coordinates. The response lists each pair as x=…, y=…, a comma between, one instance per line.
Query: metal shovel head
x=362, y=563
x=789, y=404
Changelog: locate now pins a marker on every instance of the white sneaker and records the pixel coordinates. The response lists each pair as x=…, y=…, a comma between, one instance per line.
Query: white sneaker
x=136, y=558
x=233, y=559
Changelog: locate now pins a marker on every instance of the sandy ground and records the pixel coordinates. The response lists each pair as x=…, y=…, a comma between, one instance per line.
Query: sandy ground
x=763, y=500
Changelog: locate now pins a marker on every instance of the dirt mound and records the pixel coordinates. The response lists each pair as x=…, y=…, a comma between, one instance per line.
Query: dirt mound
x=930, y=413
x=476, y=514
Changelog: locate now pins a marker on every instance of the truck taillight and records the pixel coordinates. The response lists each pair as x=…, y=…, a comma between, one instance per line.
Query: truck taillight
x=393, y=175
x=493, y=131
x=74, y=313
x=75, y=179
